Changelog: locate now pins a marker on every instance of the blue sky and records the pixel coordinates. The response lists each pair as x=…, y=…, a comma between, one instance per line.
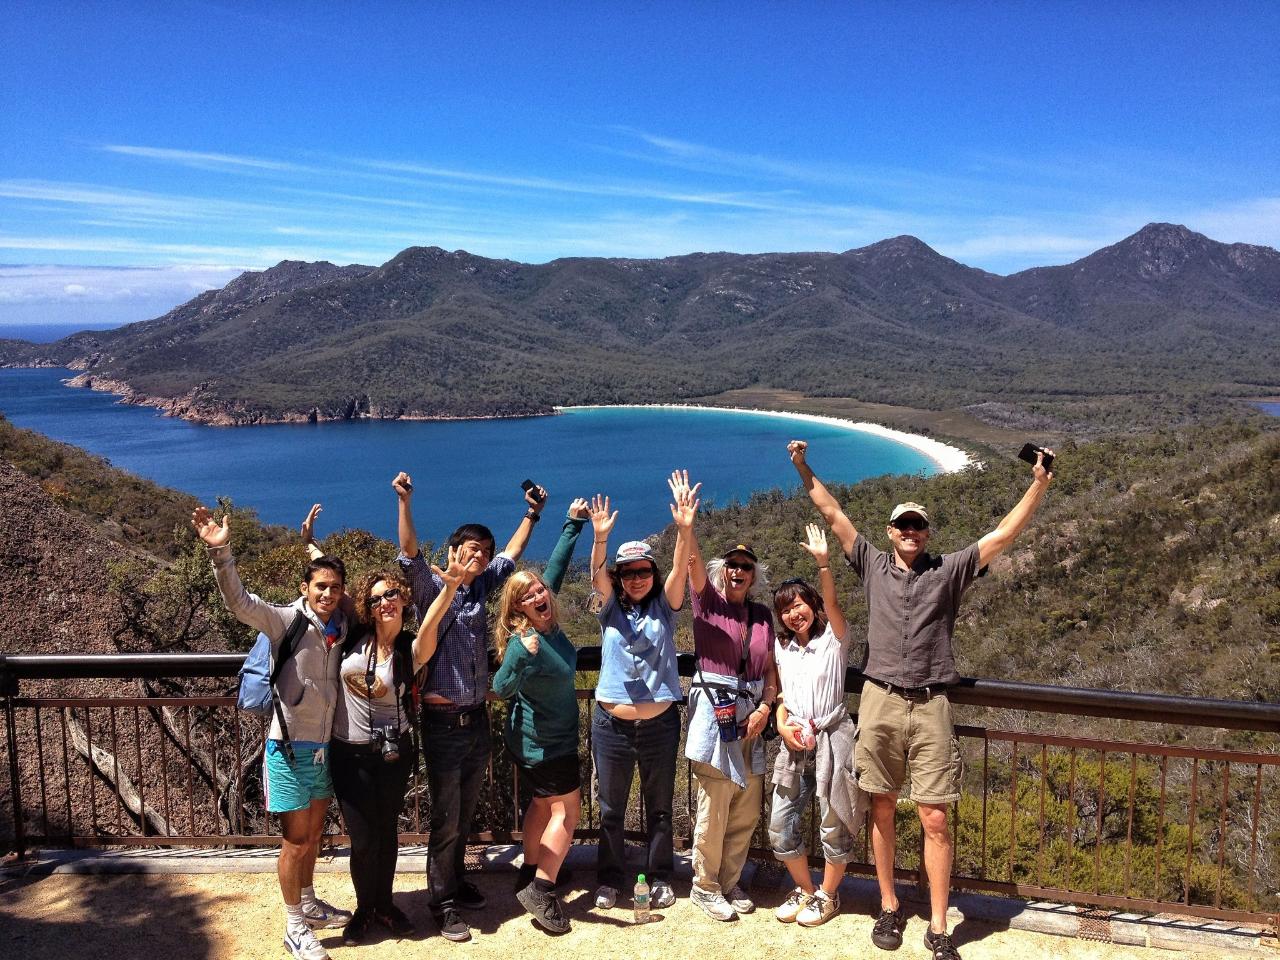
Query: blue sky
x=150, y=150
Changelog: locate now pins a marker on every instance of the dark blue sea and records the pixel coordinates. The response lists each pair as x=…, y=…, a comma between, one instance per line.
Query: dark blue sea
x=462, y=470
x=45, y=332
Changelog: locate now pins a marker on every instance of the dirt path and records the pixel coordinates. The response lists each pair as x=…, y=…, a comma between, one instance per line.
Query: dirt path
x=238, y=917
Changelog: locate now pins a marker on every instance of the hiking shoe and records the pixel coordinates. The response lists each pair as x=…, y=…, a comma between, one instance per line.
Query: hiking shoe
x=819, y=909
x=394, y=919
x=544, y=908
x=887, y=933
x=791, y=907
x=606, y=897
x=320, y=915
x=714, y=905
x=740, y=902
x=357, y=929
x=469, y=896
x=661, y=895
x=527, y=871
x=452, y=926
x=940, y=945
x=303, y=945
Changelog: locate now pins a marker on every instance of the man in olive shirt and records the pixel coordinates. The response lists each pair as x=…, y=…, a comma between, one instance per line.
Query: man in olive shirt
x=904, y=716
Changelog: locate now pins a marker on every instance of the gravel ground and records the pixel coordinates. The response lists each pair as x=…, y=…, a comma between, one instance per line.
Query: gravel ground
x=238, y=916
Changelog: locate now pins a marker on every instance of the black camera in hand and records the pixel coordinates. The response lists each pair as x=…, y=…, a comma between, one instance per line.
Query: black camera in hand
x=386, y=741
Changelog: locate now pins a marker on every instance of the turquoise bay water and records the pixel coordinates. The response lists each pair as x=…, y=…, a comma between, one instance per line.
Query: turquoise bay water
x=462, y=470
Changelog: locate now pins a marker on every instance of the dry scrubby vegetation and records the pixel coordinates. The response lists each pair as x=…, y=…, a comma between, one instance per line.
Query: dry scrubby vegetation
x=1152, y=566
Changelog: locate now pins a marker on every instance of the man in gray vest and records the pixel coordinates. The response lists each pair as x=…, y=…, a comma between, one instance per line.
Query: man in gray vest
x=296, y=779
x=904, y=715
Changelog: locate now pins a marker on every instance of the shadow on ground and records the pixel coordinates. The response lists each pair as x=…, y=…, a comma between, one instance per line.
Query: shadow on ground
x=45, y=918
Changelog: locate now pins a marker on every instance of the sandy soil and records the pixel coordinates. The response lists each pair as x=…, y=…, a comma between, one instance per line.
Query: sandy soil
x=201, y=917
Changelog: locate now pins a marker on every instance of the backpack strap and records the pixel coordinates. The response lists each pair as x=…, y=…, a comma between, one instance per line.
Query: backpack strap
x=297, y=629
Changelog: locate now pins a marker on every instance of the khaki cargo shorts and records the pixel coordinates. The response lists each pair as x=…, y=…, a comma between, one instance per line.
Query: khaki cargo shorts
x=897, y=736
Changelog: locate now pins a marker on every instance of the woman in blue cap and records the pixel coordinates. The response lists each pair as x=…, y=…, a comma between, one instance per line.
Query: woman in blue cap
x=635, y=721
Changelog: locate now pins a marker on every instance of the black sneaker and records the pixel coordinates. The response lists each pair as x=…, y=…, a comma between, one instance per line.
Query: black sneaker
x=544, y=908
x=452, y=926
x=887, y=933
x=526, y=872
x=394, y=919
x=940, y=945
x=469, y=896
x=357, y=929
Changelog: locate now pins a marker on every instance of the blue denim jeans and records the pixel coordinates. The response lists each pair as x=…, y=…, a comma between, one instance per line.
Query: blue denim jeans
x=457, y=759
x=617, y=746
x=785, y=813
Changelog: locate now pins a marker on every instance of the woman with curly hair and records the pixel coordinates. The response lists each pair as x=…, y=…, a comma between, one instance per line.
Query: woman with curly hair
x=537, y=677
x=730, y=699
x=372, y=748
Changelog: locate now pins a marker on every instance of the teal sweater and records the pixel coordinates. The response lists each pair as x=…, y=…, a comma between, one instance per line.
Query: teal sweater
x=542, y=719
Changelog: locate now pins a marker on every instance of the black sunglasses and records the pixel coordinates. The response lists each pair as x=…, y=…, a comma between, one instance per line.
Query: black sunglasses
x=739, y=565
x=375, y=600
x=635, y=573
x=911, y=523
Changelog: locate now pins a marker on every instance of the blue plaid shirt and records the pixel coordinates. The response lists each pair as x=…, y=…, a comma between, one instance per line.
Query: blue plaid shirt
x=459, y=669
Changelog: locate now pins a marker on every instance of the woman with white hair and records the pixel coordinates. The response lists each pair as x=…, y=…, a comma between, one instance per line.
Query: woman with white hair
x=730, y=700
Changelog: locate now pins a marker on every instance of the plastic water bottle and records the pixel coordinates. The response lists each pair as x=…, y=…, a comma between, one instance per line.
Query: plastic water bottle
x=640, y=897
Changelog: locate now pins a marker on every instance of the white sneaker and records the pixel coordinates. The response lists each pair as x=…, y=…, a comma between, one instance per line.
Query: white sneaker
x=303, y=945
x=320, y=915
x=819, y=909
x=740, y=902
x=714, y=905
x=661, y=895
x=791, y=907
x=606, y=897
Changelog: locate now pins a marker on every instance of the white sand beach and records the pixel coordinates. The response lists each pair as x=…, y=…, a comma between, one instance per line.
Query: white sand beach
x=949, y=459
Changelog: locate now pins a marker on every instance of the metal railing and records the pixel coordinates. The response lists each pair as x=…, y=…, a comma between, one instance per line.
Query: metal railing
x=1121, y=824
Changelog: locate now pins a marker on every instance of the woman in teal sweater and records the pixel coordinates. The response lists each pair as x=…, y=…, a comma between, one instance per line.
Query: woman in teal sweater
x=537, y=676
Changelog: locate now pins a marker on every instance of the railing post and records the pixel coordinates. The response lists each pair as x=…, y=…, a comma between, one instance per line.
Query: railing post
x=9, y=690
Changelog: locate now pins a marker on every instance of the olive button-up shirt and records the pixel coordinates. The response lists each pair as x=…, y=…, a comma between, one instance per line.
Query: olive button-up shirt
x=911, y=613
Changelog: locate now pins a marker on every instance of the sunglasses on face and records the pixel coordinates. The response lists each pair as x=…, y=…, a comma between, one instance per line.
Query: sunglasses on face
x=911, y=523
x=634, y=574
x=740, y=565
x=375, y=600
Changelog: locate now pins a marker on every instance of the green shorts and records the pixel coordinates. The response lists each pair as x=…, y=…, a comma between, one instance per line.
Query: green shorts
x=897, y=737
x=292, y=786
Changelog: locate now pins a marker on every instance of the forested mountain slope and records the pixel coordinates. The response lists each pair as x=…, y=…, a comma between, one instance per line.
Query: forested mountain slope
x=1164, y=326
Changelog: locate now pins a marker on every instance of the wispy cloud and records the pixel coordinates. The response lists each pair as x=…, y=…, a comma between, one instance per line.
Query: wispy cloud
x=63, y=284
x=204, y=161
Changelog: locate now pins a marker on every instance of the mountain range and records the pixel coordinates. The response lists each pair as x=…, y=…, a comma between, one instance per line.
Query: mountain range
x=1159, y=325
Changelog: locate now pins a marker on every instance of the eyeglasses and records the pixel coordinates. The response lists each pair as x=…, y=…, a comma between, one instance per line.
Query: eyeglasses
x=633, y=573
x=739, y=565
x=375, y=599
x=911, y=523
x=793, y=582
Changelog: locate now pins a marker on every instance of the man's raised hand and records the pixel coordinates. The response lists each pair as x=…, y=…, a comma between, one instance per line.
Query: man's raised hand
x=209, y=530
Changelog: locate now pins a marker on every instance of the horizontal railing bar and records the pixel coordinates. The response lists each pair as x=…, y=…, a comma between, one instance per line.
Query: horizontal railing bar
x=1038, y=698
x=1122, y=746
x=124, y=702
